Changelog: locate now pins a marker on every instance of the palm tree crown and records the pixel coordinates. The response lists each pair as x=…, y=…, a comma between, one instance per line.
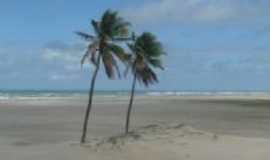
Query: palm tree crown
x=147, y=52
x=109, y=30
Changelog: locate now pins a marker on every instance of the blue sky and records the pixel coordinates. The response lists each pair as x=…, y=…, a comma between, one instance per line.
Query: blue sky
x=211, y=44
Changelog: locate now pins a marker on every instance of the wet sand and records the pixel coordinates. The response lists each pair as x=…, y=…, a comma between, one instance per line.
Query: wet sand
x=51, y=121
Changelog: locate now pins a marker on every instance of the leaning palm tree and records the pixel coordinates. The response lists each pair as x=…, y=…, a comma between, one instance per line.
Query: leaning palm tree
x=103, y=47
x=147, y=52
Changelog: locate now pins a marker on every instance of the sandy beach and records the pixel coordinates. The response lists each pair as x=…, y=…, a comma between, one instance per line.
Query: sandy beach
x=173, y=127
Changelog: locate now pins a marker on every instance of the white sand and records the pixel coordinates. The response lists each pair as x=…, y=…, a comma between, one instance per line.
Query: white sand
x=152, y=142
x=229, y=129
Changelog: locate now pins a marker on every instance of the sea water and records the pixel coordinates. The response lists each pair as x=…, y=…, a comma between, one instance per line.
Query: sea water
x=71, y=94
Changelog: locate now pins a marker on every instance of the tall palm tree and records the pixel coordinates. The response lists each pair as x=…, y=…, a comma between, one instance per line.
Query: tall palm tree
x=103, y=47
x=147, y=52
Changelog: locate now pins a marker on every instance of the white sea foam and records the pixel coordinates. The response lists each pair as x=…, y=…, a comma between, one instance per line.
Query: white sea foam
x=62, y=95
x=177, y=93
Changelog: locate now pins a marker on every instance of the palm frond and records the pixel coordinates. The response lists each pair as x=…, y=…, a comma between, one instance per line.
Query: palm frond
x=116, y=67
x=133, y=36
x=146, y=76
x=147, y=52
x=150, y=45
x=132, y=48
x=121, y=39
x=107, y=59
x=84, y=57
x=114, y=26
x=120, y=27
x=85, y=36
x=156, y=63
x=127, y=69
x=119, y=52
x=90, y=52
x=130, y=65
x=96, y=27
x=107, y=21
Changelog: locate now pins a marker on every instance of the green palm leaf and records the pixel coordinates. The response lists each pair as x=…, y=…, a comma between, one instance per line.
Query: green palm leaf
x=156, y=63
x=107, y=59
x=119, y=52
x=90, y=52
x=113, y=26
x=147, y=51
x=85, y=36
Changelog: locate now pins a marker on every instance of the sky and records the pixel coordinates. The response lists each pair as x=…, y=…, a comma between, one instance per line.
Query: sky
x=217, y=45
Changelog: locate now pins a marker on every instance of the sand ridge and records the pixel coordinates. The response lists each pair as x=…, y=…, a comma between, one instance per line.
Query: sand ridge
x=159, y=142
x=151, y=142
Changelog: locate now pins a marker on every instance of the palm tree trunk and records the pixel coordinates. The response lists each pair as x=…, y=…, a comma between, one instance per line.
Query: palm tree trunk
x=130, y=103
x=88, y=109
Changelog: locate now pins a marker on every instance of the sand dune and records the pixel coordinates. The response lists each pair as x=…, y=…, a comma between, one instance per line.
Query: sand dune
x=152, y=142
x=176, y=142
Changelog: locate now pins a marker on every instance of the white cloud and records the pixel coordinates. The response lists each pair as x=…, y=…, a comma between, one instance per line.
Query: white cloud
x=196, y=11
x=73, y=67
x=69, y=59
x=66, y=56
x=58, y=55
x=58, y=76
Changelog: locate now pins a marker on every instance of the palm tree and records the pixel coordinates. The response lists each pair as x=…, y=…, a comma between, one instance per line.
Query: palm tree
x=103, y=47
x=147, y=52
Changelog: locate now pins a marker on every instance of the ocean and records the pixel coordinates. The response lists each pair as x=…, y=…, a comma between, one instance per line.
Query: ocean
x=58, y=95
